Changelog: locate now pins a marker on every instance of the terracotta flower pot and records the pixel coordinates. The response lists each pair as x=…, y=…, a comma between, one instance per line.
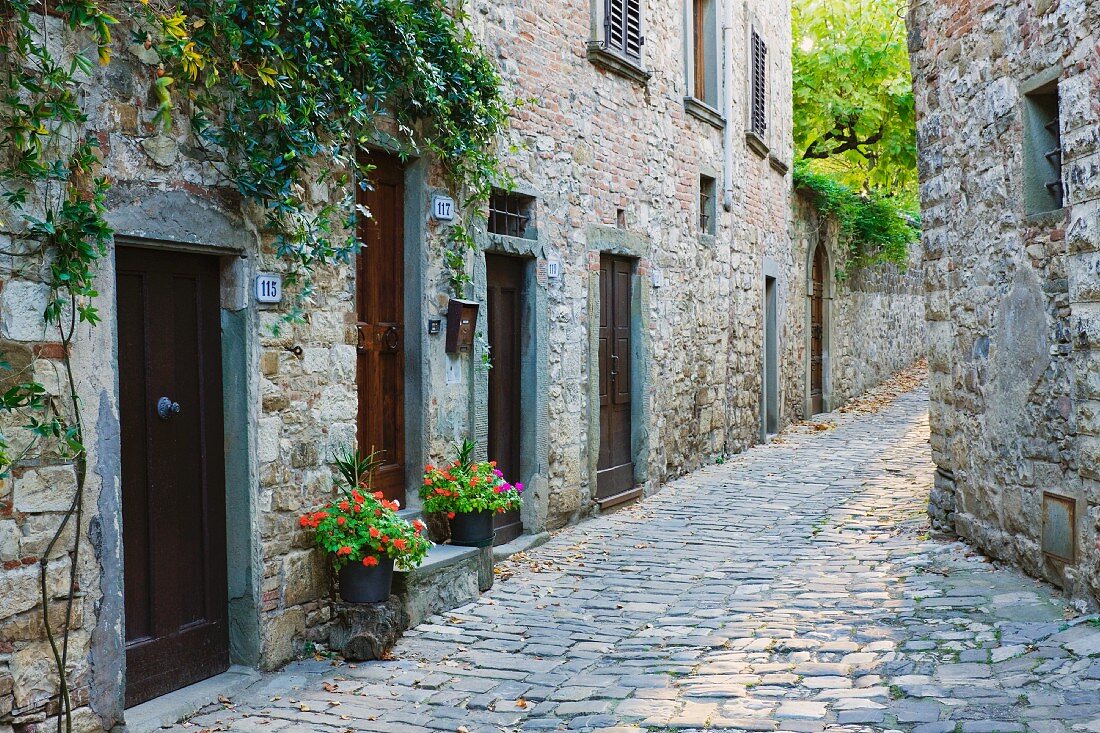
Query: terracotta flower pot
x=362, y=584
x=473, y=529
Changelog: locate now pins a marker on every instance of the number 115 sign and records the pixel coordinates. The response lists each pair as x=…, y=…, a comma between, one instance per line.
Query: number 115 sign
x=269, y=288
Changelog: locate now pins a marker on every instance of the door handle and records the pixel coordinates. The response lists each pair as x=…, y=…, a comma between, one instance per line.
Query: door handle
x=614, y=366
x=166, y=408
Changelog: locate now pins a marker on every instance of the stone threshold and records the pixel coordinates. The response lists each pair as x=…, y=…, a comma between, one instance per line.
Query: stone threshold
x=167, y=710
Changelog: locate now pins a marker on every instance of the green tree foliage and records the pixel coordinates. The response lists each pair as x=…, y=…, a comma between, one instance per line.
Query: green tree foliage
x=853, y=94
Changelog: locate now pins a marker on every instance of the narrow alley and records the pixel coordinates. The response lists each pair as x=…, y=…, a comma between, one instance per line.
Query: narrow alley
x=795, y=587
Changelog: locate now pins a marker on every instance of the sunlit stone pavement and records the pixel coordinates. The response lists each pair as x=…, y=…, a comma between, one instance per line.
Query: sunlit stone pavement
x=794, y=588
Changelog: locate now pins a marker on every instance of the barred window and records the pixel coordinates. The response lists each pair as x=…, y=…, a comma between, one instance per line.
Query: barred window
x=512, y=214
x=1043, y=189
x=706, y=205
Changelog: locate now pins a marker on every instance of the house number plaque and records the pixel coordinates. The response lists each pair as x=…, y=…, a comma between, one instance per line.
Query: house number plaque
x=443, y=208
x=269, y=288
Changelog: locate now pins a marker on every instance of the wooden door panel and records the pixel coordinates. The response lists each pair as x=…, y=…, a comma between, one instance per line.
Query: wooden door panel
x=173, y=471
x=380, y=299
x=817, y=331
x=505, y=278
x=615, y=467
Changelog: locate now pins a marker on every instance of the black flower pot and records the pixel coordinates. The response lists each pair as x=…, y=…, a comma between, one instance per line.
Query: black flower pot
x=360, y=584
x=473, y=529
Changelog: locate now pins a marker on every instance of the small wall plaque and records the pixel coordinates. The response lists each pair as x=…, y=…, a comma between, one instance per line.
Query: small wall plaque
x=269, y=288
x=553, y=269
x=443, y=208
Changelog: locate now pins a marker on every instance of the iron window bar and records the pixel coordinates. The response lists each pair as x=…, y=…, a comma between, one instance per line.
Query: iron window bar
x=509, y=214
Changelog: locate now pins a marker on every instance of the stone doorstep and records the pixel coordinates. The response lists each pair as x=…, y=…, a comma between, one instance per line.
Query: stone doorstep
x=169, y=709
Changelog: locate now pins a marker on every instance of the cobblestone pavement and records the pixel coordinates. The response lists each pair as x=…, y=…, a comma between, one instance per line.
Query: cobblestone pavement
x=792, y=588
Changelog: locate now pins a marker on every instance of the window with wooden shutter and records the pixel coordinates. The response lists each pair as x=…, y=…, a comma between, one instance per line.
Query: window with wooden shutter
x=623, y=27
x=759, y=70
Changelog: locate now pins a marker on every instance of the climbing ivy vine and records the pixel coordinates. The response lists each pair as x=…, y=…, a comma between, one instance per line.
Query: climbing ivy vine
x=873, y=228
x=285, y=95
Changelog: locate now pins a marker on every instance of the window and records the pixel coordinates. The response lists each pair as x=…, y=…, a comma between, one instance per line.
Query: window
x=512, y=214
x=1043, y=190
x=706, y=205
x=622, y=25
x=703, y=76
x=758, y=113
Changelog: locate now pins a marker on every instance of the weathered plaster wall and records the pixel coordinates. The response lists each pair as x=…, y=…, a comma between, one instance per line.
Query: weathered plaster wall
x=1010, y=298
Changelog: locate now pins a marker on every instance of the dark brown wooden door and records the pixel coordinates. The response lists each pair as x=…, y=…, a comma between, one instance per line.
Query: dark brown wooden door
x=380, y=276
x=505, y=278
x=817, y=332
x=173, y=472
x=615, y=469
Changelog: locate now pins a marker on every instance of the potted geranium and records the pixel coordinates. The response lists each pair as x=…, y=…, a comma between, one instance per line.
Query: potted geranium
x=363, y=534
x=469, y=493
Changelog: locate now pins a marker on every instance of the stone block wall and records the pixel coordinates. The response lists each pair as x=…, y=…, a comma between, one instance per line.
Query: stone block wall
x=1010, y=296
x=875, y=315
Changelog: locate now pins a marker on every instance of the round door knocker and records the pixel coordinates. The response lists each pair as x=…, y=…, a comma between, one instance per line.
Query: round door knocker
x=390, y=338
x=166, y=408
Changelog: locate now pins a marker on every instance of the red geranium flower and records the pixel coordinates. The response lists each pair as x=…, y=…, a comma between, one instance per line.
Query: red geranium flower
x=370, y=560
x=399, y=543
x=375, y=533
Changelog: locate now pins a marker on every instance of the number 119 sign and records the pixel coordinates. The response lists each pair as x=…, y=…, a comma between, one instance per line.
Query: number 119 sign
x=269, y=288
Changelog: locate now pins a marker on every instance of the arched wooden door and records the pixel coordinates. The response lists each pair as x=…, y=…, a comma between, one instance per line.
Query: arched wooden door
x=817, y=332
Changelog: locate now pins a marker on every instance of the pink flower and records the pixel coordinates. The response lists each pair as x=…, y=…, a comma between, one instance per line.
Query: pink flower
x=519, y=488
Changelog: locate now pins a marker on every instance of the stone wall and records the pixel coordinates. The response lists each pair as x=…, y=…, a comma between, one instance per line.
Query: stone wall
x=874, y=316
x=1010, y=298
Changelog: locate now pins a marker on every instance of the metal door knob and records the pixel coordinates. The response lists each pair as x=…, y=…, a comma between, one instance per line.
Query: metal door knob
x=166, y=408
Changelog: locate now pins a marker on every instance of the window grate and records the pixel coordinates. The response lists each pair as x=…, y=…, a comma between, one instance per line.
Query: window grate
x=511, y=214
x=1042, y=151
x=759, y=112
x=706, y=205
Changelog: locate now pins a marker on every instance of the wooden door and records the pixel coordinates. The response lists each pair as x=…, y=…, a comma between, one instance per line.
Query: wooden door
x=380, y=276
x=615, y=468
x=504, y=302
x=817, y=332
x=173, y=471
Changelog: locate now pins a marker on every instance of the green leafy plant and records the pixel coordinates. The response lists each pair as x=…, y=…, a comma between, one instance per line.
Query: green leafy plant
x=873, y=228
x=294, y=92
x=859, y=125
x=362, y=525
x=466, y=486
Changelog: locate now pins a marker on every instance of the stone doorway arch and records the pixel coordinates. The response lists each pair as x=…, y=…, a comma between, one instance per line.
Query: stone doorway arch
x=820, y=283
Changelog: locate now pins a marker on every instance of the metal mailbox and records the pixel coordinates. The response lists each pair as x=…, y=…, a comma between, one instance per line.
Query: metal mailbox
x=461, y=324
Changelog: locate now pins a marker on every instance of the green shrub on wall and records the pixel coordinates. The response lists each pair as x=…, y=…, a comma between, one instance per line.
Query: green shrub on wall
x=872, y=228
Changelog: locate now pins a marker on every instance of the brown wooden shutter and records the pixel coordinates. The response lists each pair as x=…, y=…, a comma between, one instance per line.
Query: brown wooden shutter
x=623, y=27
x=759, y=84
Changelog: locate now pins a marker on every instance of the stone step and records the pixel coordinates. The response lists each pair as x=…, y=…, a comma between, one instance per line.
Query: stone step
x=449, y=577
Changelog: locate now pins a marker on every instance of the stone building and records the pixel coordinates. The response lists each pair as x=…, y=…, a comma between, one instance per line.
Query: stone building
x=1008, y=131
x=652, y=295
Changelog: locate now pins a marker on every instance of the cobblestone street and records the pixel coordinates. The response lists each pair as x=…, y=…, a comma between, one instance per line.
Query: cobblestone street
x=794, y=587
